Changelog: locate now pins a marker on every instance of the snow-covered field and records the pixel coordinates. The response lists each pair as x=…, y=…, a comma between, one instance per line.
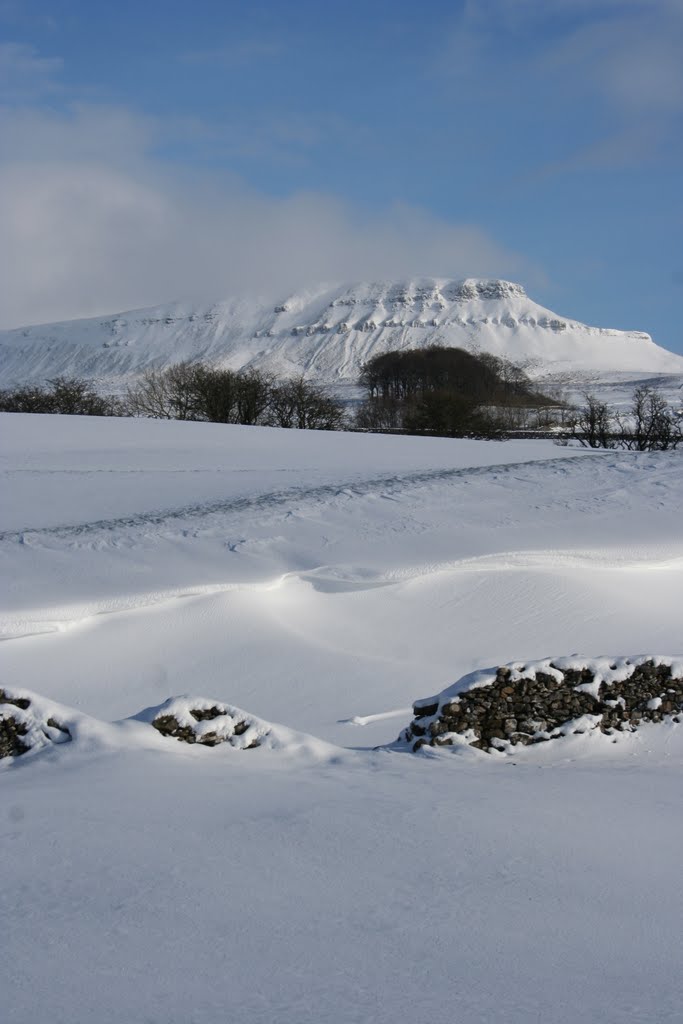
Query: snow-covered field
x=322, y=582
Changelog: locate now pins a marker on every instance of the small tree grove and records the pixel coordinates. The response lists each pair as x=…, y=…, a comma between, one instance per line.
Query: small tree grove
x=650, y=424
x=196, y=391
x=69, y=396
x=448, y=392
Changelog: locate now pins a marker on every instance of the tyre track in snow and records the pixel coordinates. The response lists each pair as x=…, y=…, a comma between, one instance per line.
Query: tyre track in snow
x=271, y=501
x=437, y=502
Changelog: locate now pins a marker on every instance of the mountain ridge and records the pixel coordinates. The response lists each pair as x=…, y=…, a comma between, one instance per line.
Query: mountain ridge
x=328, y=332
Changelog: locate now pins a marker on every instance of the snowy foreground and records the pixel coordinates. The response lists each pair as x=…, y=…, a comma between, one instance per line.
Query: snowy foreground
x=323, y=582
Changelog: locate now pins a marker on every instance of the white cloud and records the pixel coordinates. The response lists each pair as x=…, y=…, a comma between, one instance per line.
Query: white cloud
x=24, y=74
x=82, y=132
x=620, y=58
x=633, y=60
x=91, y=222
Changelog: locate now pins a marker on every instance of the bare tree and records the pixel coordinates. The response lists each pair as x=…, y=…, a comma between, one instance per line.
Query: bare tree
x=380, y=414
x=163, y=394
x=216, y=393
x=652, y=425
x=186, y=391
x=253, y=397
x=305, y=406
x=195, y=391
x=594, y=424
x=69, y=396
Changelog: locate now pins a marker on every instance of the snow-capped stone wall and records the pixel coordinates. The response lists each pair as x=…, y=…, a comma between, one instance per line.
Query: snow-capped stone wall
x=198, y=720
x=524, y=704
x=25, y=724
x=31, y=723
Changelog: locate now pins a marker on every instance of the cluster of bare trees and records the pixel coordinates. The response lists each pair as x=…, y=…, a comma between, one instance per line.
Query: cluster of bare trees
x=69, y=396
x=650, y=424
x=448, y=392
x=191, y=391
x=197, y=391
x=440, y=391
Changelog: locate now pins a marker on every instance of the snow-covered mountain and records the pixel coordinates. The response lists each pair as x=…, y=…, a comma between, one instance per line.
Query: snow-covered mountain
x=329, y=332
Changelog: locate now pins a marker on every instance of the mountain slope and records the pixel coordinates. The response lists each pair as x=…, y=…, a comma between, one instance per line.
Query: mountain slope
x=328, y=333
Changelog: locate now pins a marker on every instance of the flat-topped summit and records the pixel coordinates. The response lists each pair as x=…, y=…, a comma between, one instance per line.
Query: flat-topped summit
x=328, y=332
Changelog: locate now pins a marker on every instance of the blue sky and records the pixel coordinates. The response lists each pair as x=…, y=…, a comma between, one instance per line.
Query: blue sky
x=159, y=150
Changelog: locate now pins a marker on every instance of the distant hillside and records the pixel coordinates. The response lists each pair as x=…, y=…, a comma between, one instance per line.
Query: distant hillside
x=328, y=333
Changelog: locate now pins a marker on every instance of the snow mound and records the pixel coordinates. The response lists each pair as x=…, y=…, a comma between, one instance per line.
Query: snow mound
x=501, y=708
x=209, y=722
x=28, y=723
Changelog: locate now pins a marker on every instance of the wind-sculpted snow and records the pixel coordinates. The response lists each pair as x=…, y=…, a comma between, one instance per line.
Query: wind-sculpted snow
x=308, y=587
x=207, y=512
x=355, y=513
x=328, y=333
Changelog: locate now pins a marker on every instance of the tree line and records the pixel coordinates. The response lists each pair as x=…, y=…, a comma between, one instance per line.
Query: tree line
x=190, y=391
x=446, y=391
x=436, y=391
x=69, y=396
x=649, y=424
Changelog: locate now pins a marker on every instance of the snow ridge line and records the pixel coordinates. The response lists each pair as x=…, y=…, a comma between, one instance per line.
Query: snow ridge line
x=273, y=499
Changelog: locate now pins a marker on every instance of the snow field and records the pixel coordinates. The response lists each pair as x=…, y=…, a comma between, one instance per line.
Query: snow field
x=327, y=881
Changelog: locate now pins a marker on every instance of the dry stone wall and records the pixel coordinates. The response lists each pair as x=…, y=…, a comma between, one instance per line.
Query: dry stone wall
x=209, y=723
x=519, y=704
x=24, y=725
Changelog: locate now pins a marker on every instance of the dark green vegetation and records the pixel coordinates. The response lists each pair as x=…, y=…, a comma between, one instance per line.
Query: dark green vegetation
x=451, y=392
